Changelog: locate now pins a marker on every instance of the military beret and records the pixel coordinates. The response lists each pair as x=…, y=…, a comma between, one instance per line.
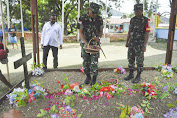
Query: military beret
x=138, y=7
x=95, y=8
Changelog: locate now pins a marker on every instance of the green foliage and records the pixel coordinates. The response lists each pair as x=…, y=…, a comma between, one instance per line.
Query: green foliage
x=125, y=110
x=70, y=100
x=42, y=113
x=84, y=92
x=172, y=105
x=34, y=65
x=136, y=86
x=79, y=115
x=175, y=69
x=120, y=90
x=53, y=110
x=46, y=7
x=146, y=107
x=170, y=86
x=39, y=83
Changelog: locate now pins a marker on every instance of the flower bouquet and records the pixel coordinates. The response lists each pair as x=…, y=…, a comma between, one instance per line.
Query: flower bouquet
x=20, y=96
x=108, y=92
x=166, y=70
x=148, y=90
x=120, y=70
x=37, y=70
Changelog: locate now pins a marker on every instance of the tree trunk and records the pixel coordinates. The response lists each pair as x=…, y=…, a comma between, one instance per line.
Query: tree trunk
x=65, y=26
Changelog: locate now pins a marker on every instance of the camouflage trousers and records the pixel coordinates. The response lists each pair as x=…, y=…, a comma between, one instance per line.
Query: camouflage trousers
x=134, y=52
x=90, y=62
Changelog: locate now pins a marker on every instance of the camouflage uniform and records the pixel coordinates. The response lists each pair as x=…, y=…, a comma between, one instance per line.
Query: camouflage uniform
x=136, y=42
x=91, y=28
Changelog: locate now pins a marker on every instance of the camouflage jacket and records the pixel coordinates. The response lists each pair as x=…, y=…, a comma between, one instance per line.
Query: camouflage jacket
x=137, y=28
x=91, y=26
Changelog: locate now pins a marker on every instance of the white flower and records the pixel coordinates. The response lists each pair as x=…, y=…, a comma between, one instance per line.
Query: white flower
x=76, y=89
x=23, y=84
x=38, y=71
x=18, y=90
x=147, y=84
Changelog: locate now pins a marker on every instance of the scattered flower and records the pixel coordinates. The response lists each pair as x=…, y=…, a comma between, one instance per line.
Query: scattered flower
x=120, y=70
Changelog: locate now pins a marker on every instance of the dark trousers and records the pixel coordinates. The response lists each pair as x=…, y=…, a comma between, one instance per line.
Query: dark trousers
x=55, y=55
x=1, y=39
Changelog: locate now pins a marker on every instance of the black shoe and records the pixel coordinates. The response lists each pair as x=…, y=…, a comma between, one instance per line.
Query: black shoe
x=55, y=67
x=130, y=76
x=93, y=81
x=88, y=78
x=137, y=78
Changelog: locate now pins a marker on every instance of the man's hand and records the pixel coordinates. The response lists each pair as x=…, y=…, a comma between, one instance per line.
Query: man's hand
x=60, y=46
x=13, y=114
x=126, y=45
x=42, y=46
x=143, y=49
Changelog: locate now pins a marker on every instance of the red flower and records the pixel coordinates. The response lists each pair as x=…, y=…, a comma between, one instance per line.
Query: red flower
x=117, y=70
x=62, y=86
x=142, y=92
x=151, y=86
x=80, y=88
x=58, y=82
x=106, y=89
x=63, y=91
x=143, y=84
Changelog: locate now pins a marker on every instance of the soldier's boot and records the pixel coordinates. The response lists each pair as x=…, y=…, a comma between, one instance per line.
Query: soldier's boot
x=88, y=78
x=93, y=80
x=130, y=76
x=137, y=78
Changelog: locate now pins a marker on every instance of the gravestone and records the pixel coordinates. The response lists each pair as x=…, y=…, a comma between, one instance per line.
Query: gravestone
x=23, y=62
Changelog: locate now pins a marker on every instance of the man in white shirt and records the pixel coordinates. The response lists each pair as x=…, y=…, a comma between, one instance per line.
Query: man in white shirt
x=51, y=36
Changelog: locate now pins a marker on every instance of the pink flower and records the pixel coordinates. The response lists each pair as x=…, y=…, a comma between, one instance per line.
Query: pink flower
x=135, y=110
x=84, y=97
x=68, y=92
x=101, y=94
x=112, y=86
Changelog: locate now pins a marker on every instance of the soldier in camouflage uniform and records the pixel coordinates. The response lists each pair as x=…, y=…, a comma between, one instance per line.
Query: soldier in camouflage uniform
x=136, y=42
x=90, y=27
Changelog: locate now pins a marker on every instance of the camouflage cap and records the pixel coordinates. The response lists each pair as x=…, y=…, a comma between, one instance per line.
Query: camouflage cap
x=95, y=8
x=138, y=7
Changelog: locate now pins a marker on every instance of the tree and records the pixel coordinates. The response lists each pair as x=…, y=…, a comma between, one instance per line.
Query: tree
x=46, y=7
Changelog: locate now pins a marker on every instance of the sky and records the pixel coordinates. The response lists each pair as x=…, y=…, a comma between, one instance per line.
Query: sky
x=127, y=7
